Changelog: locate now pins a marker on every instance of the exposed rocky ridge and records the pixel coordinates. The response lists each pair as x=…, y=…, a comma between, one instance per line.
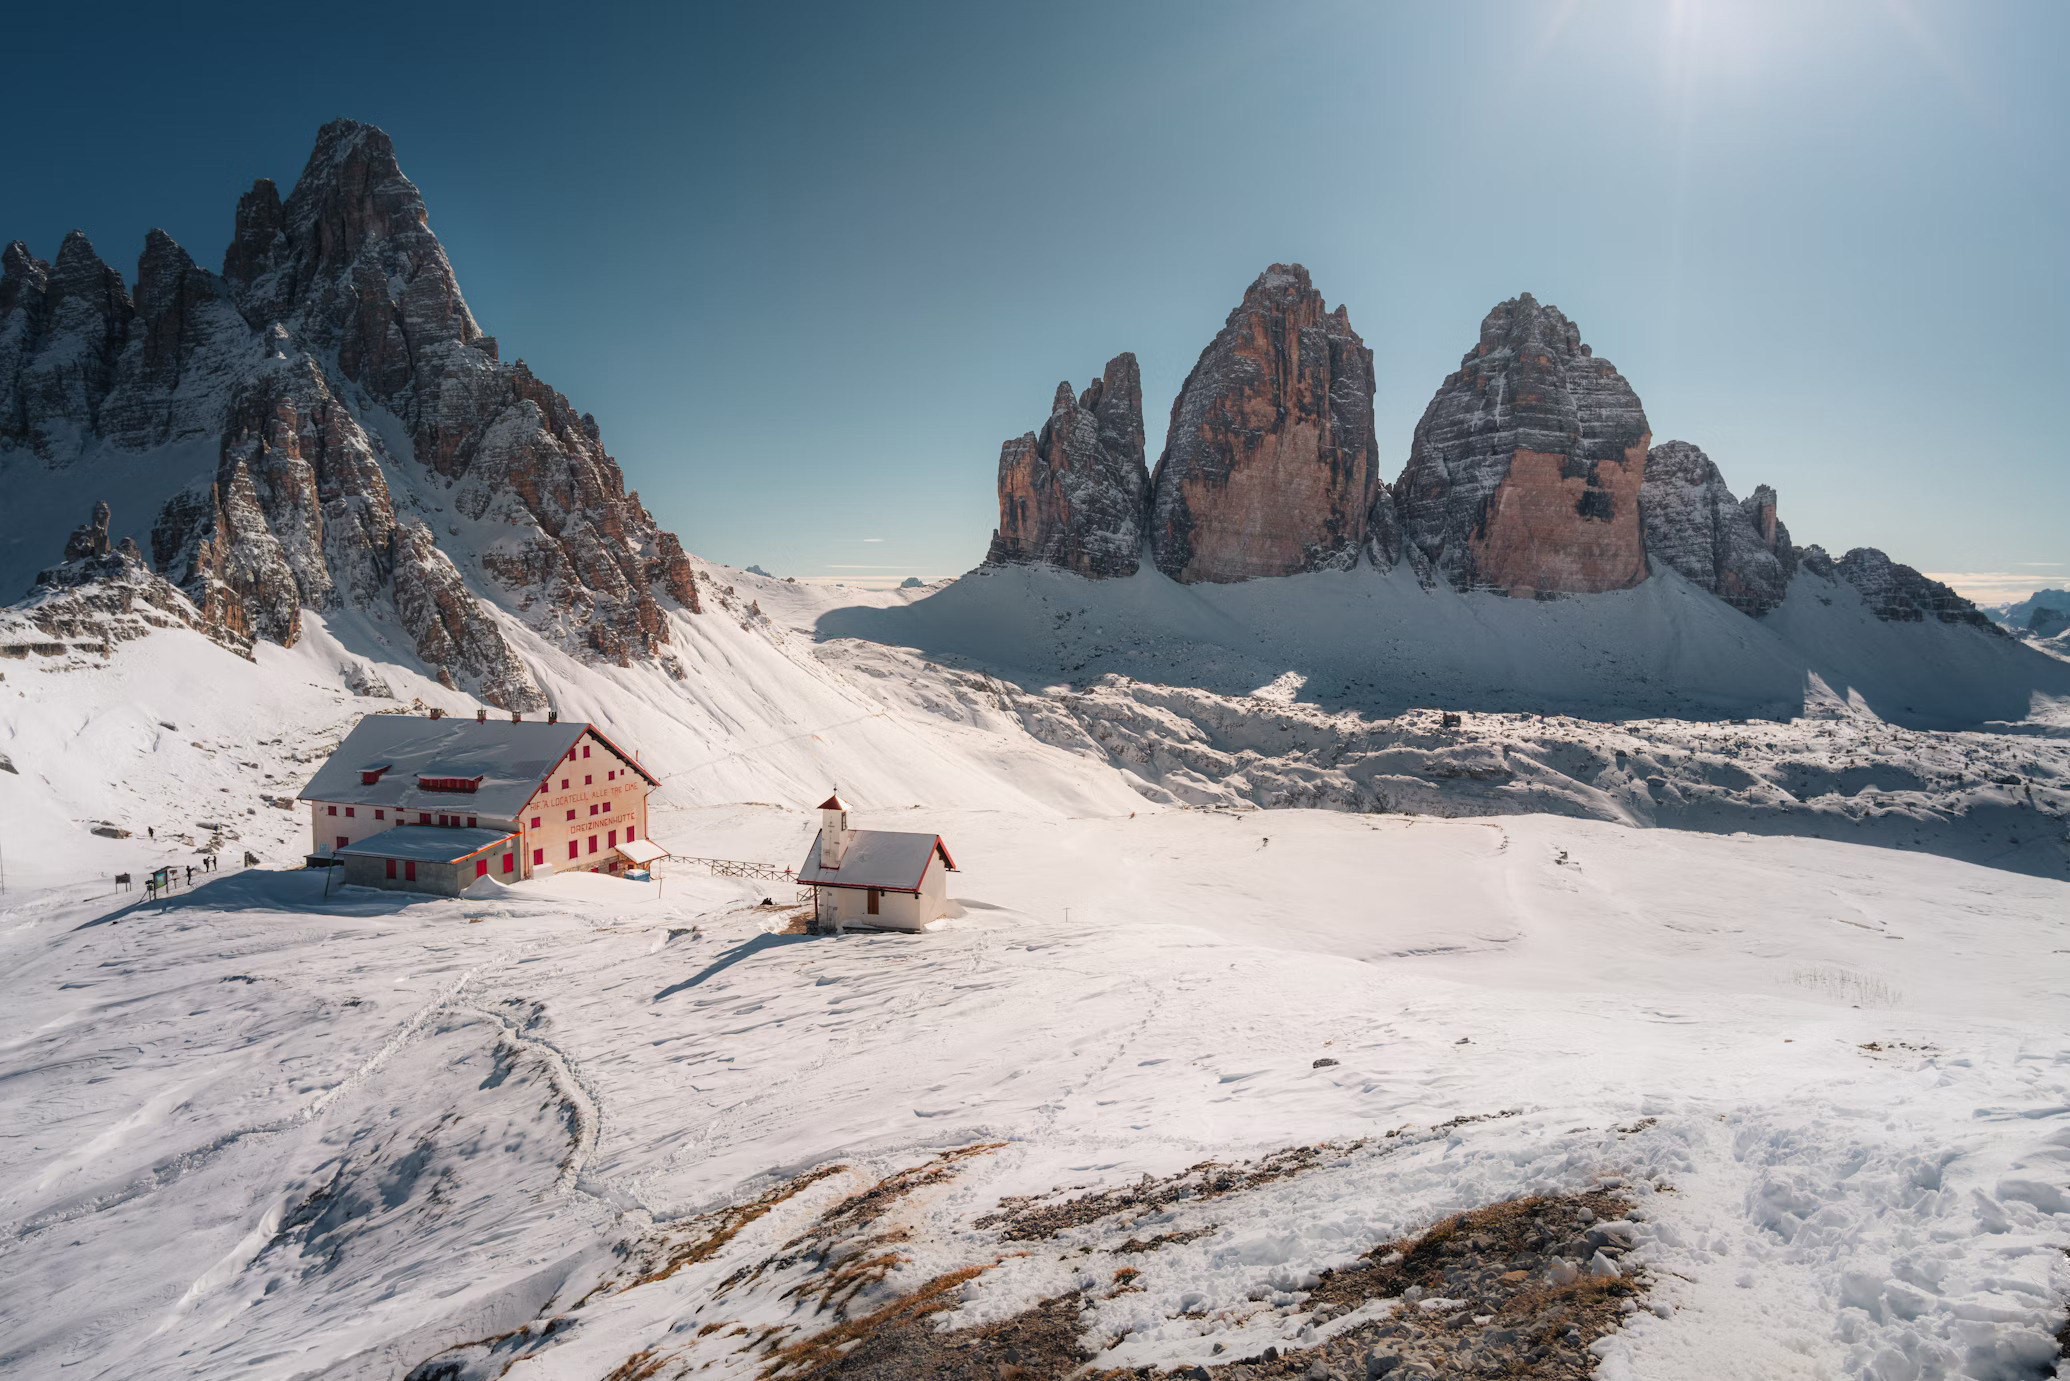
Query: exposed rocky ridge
x=98, y=595
x=1073, y=495
x=336, y=307
x=1531, y=473
x=349, y=263
x=1738, y=550
x=1525, y=469
x=83, y=361
x=1269, y=467
x=1895, y=593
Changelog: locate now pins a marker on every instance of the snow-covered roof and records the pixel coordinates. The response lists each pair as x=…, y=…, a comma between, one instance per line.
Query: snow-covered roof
x=889, y=860
x=426, y=844
x=506, y=762
x=642, y=850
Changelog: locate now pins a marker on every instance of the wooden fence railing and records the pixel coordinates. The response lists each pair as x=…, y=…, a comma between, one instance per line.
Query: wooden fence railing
x=739, y=868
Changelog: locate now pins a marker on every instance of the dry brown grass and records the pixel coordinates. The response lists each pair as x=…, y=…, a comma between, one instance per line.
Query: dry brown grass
x=638, y=1367
x=1032, y=1217
x=724, y=1226
x=824, y=1349
x=831, y=1241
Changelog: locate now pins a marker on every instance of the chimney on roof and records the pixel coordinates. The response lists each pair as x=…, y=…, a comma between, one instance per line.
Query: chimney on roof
x=481, y=716
x=437, y=713
x=553, y=716
x=833, y=831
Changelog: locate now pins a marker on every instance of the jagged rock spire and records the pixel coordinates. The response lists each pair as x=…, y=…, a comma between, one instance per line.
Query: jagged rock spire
x=1269, y=467
x=1738, y=550
x=1072, y=495
x=1524, y=472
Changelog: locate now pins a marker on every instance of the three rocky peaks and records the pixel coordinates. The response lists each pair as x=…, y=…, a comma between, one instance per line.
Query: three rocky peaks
x=344, y=406
x=1532, y=473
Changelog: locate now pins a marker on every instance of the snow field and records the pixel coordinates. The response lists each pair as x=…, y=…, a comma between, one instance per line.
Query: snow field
x=257, y=1127
x=336, y=1137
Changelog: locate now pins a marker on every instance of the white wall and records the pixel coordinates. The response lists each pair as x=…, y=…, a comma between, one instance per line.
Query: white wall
x=896, y=910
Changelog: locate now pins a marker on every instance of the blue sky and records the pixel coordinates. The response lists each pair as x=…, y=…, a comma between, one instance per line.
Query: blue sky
x=810, y=265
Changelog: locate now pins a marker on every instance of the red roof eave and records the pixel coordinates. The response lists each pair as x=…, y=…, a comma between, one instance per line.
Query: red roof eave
x=864, y=887
x=634, y=762
x=623, y=756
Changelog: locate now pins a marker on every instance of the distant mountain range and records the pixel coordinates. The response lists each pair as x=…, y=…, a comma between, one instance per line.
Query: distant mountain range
x=2020, y=613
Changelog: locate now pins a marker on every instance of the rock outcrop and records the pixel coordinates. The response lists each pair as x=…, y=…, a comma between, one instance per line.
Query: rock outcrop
x=1894, y=592
x=90, y=538
x=357, y=413
x=2046, y=621
x=62, y=332
x=1072, y=495
x=1525, y=470
x=1738, y=550
x=1269, y=465
x=102, y=594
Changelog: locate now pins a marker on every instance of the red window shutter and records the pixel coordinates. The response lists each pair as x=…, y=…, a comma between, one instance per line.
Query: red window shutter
x=343, y=841
x=612, y=842
x=391, y=870
x=481, y=867
x=588, y=780
x=348, y=812
x=876, y=898
x=571, y=813
x=573, y=849
x=380, y=815
x=331, y=810
x=538, y=857
x=509, y=863
x=585, y=750
x=564, y=783
x=535, y=822
x=409, y=870
x=628, y=834
x=470, y=822
x=592, y=843
x=423, y=817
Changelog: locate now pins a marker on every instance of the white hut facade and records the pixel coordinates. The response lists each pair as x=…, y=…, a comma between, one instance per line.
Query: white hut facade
x=886, y=878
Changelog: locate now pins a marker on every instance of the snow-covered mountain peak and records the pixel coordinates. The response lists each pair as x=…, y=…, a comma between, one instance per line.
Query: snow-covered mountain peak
x=325, y=426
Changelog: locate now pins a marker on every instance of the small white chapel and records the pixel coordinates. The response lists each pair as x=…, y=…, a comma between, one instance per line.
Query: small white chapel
x=886, y=878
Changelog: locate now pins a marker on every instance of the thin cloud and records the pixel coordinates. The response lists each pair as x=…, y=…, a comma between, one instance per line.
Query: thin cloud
x=1990, y=585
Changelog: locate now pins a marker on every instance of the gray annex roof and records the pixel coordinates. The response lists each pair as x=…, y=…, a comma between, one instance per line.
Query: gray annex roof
x=889, y=860
x=426, y=844
x=512, y=760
